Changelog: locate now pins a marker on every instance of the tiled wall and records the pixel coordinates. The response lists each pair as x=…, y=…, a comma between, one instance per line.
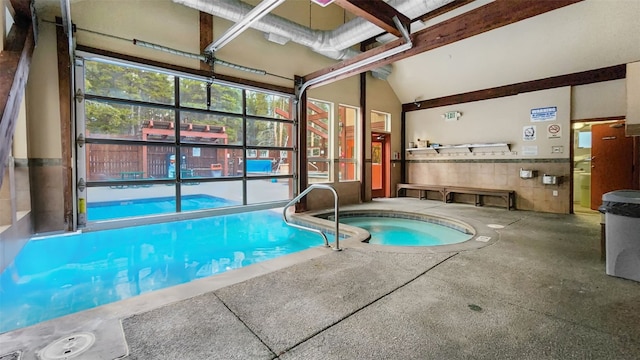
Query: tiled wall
x=47, y=194
x=22, y=185
x=6, y=201
x=531, y=194
x=15, y=194
x=15, y=218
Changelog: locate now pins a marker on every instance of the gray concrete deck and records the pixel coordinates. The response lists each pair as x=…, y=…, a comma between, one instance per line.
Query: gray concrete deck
x=538, y=291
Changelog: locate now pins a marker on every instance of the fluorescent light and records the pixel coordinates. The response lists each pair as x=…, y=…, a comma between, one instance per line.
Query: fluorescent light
x=252, y=16
x=322, y=3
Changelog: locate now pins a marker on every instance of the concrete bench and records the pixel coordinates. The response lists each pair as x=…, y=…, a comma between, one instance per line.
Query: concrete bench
x=423, y=188
x=507, y=195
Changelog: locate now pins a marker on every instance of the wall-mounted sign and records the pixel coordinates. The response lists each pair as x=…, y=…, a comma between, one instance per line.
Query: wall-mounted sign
x=530, y=150
x=451, y=115
x=544, y=114
x=529, y=133
x=554, y=131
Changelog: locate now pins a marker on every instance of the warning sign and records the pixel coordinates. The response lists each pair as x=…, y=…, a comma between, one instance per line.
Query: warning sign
x=554, y=131
x=544, y=114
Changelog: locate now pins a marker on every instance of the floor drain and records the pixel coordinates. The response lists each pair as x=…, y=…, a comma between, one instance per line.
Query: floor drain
x=11, y=356
x=475, y=307
x=68, y=347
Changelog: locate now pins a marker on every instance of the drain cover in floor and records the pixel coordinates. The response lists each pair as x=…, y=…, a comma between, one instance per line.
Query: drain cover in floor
x=68, y=347
x=11, y=356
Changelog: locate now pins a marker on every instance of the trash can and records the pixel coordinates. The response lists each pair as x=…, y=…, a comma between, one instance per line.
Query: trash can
x=216, y=170
x=622, y=228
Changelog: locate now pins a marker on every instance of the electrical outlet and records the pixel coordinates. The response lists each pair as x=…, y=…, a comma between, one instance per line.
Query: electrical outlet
x=555, y=192
x=557, y=149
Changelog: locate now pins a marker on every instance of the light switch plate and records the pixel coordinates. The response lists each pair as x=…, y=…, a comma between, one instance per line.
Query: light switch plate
x=557, y=149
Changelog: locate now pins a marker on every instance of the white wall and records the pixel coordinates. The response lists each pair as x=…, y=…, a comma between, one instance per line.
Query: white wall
x=495, y=121
x=603, y=99
x=587, y=35
x=633, y=96
x=43, y=110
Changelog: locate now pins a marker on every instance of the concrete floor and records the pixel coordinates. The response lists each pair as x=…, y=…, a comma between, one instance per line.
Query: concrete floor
x=537, y=290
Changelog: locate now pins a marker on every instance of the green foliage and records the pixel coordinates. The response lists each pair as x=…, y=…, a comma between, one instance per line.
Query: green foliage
x=121, y=82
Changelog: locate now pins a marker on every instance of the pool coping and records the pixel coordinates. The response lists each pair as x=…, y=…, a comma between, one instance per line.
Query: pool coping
x=482, y=234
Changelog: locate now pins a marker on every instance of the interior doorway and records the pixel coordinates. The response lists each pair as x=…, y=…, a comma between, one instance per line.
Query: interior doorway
x=380, y=160
x=603, y=161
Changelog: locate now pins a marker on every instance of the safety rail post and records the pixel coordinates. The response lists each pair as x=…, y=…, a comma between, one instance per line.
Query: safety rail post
x=335, y=210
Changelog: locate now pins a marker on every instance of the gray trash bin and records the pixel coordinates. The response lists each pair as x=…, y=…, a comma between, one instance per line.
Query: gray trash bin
x=622, y=219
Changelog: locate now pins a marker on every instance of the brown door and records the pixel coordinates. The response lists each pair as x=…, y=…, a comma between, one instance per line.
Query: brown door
x=611, y=161
x=379, y=165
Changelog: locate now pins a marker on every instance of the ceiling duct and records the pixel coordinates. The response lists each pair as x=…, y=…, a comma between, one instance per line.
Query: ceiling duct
x=335, y=44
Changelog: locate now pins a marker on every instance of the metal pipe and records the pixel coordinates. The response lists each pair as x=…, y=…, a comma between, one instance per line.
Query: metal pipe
x=236, y=29
x=336, y=212
x=398, y=49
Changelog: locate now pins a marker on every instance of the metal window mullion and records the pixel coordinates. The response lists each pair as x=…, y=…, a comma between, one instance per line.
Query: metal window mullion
x=244, y=147
x=177, y=148
x=129, y=102
x=80, y=200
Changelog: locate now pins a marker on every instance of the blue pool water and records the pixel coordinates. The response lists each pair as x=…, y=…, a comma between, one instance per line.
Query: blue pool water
x=405, y=232
x=59, y=275
x=160, y=205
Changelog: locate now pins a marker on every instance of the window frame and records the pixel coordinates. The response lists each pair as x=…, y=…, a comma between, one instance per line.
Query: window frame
x=177, y=144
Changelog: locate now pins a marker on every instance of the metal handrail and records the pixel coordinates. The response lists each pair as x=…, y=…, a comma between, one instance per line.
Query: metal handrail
x=335, y=209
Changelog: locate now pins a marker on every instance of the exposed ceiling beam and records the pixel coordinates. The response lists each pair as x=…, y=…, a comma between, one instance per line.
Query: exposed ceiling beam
x=22, y=9
x=477, y=21
x=444, y=9
x=15, y=61
x=580, y=78
x=206, y=35
x=377, y=12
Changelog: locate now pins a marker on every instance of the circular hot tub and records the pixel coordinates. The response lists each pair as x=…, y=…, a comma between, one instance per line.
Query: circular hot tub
x=402, y=229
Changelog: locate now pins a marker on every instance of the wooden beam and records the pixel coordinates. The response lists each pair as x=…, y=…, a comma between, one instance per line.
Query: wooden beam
x=15, y=61
x=444, y=9
x=303, y=175
x=64, y=96
x=186, y=70
x=363, y=144
x=430, y=15
x=485, y=18
x=579, y=78
x=377, y=12
x=22, y=10
x=206, y=35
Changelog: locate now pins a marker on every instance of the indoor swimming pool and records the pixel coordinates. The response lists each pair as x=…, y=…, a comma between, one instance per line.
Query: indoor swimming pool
x=58, y=275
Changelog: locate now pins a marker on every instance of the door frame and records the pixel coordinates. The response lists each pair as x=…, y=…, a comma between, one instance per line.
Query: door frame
x=636, y=154
x=386, y=164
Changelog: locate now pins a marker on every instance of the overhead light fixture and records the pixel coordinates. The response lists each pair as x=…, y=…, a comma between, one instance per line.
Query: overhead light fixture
x=322, y=3
x=252, y=16
x=578, y=126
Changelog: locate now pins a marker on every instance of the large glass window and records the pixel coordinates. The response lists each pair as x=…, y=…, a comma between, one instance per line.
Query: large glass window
x=115, y=81
x=153, y=150
x=319, y=116
x=380, y=121
x=348, y=136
